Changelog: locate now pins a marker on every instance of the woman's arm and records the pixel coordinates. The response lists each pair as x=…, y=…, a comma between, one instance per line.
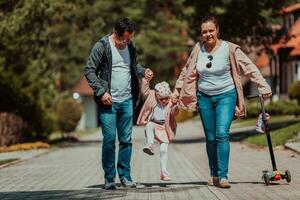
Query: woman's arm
x=251, y=71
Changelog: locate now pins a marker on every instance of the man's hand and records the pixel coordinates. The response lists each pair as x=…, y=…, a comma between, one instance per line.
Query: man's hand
x=148, y=74
x=106, y=99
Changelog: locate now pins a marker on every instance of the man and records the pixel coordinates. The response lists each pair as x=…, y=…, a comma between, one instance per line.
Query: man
x=113, y=73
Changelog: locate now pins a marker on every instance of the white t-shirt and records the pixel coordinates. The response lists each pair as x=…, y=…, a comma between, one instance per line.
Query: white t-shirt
x=217, y=79
x=158, y=113
x=121, y=76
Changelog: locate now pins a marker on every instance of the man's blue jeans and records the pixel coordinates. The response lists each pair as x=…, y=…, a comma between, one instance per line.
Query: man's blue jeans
x=117, y=119
x=216, y=114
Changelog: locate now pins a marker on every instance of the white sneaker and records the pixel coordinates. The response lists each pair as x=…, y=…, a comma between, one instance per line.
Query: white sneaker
x=149, y=149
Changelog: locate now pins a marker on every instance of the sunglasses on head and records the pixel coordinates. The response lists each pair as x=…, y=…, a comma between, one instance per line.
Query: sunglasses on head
x=209, y=64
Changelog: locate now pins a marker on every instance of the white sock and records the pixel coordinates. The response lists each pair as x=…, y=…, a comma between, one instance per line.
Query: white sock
x=163, y=150
x=150, y=132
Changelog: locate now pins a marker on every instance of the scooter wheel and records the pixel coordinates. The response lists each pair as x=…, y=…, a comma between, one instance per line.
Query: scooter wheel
x=288, y=176
x=266, y=179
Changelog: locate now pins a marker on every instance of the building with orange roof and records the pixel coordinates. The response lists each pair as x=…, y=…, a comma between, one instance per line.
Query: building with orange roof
x=284, y=57
x=84, y=93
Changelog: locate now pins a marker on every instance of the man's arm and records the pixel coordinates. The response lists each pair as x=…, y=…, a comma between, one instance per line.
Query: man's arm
x=90, y=71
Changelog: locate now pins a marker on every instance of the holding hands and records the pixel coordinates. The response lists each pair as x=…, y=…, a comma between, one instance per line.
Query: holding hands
x=175, y=96
x=148, y=74
x=265, y=96
x=107, y=99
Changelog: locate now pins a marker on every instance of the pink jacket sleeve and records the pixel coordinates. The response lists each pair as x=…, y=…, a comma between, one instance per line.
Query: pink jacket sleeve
x=182, y=75
x=145, y=87
x=251, y=71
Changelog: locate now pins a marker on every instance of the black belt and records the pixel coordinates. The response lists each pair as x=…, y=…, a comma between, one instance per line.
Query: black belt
x=161, y=122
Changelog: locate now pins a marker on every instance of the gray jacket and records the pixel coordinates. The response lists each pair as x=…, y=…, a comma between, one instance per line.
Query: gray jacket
x=99, y=68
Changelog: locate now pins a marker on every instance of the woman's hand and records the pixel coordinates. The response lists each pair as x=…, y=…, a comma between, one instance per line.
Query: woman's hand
x=265, y=96
x=175, y=97
x=174, y=100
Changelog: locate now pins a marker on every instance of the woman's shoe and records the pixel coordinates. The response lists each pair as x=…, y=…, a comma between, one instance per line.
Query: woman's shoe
x=165, y=176
x=213, y=181
x=224, y=183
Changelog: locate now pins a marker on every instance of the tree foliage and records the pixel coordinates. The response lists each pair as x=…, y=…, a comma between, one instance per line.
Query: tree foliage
x=244, y=21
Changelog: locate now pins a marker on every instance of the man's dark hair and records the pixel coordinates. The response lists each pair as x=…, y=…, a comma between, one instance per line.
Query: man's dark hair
x=123, y=25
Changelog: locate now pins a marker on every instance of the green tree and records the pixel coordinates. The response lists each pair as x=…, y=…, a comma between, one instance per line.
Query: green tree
x=26, y=79
x=243, y=21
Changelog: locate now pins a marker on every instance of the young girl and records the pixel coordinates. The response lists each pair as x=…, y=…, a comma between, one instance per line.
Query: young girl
x=158, y=115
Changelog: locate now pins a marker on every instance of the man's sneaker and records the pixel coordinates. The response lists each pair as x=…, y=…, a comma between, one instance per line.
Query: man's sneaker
x=165, y=176
x=149, y=149
x=224, y=183
x=213, y=181
x=110, y=184
x=127, y=183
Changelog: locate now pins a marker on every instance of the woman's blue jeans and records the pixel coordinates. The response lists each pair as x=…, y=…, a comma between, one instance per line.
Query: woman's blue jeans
x=216, y=114
x=118, y=119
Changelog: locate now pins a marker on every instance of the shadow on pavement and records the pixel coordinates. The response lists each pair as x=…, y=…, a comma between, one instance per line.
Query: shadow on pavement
x=189, y=140
x=75, y=143
x=236, y=135
x=157, y=187
x=63, y=194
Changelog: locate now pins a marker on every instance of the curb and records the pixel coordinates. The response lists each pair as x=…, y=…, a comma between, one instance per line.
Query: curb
x=23, y=159
x=294, y=146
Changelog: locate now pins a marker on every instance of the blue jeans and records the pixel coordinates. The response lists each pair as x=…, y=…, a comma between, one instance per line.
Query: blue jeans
x=117, y=119
x=216, y=114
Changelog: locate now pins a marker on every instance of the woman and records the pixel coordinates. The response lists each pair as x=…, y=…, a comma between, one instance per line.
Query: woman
x=211, y=82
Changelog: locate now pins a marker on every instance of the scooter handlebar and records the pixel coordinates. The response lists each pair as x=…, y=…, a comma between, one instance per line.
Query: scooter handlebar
x=254, y=96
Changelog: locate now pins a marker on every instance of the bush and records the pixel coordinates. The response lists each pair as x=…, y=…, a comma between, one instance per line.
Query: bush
x=253, y=109
x=281, y=107
x=184, y=115
x=294, y=91
x=12, y=128
x=68, y=115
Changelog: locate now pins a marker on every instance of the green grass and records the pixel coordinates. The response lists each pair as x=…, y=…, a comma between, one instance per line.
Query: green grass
x=2, y=162
x=278, y=137
x=274, y=119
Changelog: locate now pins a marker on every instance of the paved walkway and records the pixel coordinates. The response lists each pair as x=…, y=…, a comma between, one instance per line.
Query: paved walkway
x=75, y=172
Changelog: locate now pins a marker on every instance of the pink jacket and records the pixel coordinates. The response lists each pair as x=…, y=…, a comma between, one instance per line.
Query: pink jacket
x=240, y=64
x=148, y=108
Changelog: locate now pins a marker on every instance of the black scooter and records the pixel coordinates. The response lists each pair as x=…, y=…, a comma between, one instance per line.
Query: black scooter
x=275, y=174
